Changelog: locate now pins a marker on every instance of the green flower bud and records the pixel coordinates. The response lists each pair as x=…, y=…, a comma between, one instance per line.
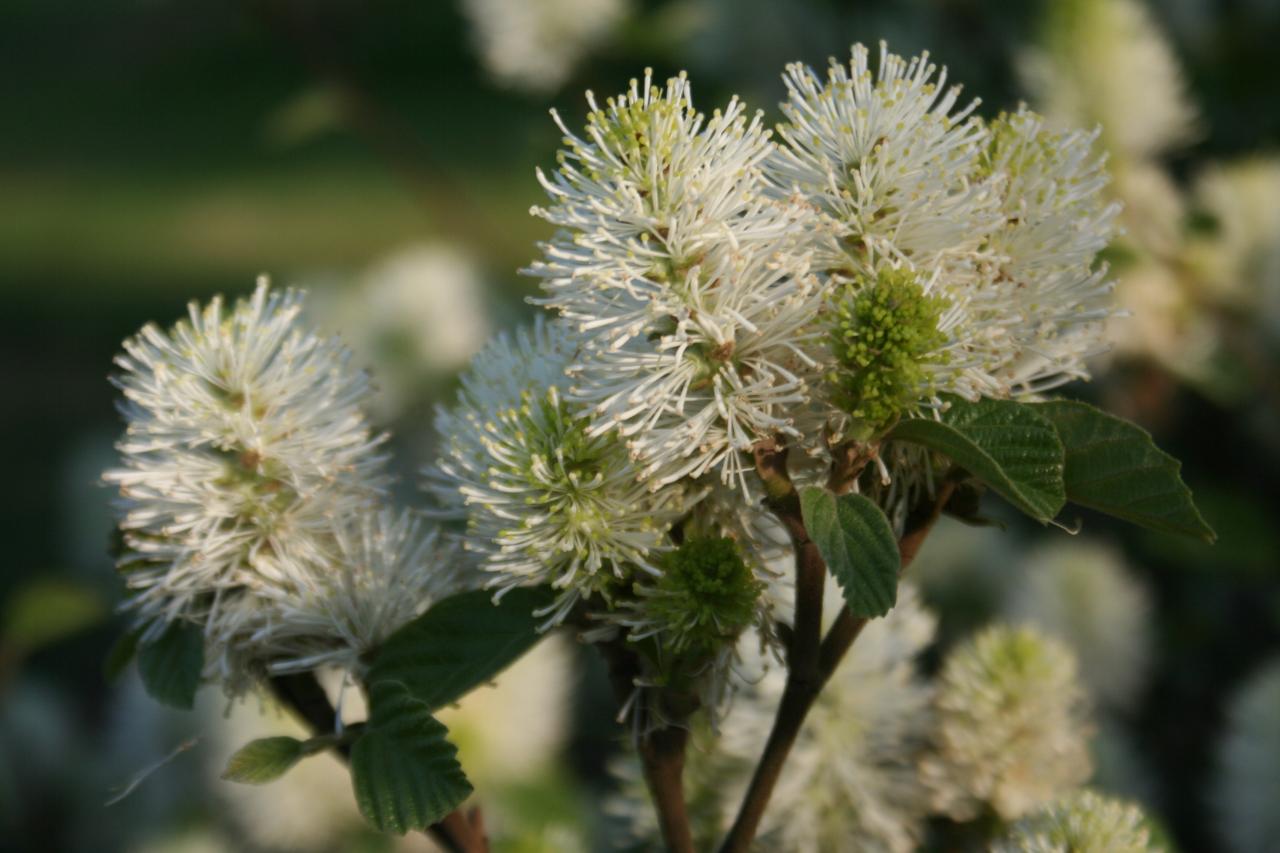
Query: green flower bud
x=705, y=597
x=884, y=334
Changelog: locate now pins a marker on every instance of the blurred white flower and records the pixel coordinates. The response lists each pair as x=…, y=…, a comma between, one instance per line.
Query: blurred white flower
x=1012, y=725
x=513, y=730
x=1160, y=319
x=1083, y=594
x=245, y=439
x=415, y=317
x=546, y=499
x=1080, y=821
x=1246, y=789
x=1106, y=62
x=534, y=44
x=382, y=569
x=1154, y=217
x=852, y=773
x=1237, y=260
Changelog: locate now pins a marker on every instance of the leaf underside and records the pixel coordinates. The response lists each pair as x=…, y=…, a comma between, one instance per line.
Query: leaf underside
x=264, y=760
x=171, y=665
x=460, y=643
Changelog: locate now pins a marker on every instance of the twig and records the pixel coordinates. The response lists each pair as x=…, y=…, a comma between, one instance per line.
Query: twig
x=662, y=755
x=142, y=775
x=809, y=666
x=848, y=458
x=661, y=750
x=458, y=832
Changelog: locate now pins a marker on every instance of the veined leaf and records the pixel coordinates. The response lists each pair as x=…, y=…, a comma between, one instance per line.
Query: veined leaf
x=460, y=643
x=405, y=773
x=1114, y=467
x=264, y=759
x=858, y=545
x=1010, y=446
x=171, y=665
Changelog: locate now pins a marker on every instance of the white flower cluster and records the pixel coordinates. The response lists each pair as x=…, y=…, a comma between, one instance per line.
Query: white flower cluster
x=715, y=288
x=252, y=493
x=681, y=277
x=534, y=45
x=1084, y=595
x=546, y=501
x=720, y=279
x=1080, y=821
x=1013, y=726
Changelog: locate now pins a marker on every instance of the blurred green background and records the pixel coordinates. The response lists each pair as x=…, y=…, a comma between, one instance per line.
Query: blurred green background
x=153, y=152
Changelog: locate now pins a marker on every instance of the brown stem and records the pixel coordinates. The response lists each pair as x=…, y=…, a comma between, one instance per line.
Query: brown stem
x=804, y=681
x=919, y=524
x=662, y=755
x=816, y=668
x=458, y=832
x=661, y=750
x=847, y=461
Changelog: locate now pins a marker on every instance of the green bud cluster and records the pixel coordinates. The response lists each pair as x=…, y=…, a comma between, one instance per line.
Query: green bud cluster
x=705, y=597
x=884, y=334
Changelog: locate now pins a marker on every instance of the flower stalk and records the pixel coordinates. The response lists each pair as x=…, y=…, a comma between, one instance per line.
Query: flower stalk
x=811, y=657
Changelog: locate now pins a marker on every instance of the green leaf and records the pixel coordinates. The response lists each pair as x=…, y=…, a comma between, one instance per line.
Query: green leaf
x=1113, y=466
x=858, y=545
x=405, y=773
x=462, y=642
x=1007, y=445
x=265, y=759
x=171, y=666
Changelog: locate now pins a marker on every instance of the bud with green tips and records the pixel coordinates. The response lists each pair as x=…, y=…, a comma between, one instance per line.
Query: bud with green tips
x=704, y=599
x=883, y=335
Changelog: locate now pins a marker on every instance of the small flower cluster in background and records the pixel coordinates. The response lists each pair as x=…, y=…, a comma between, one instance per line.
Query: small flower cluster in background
x=1198, y=265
